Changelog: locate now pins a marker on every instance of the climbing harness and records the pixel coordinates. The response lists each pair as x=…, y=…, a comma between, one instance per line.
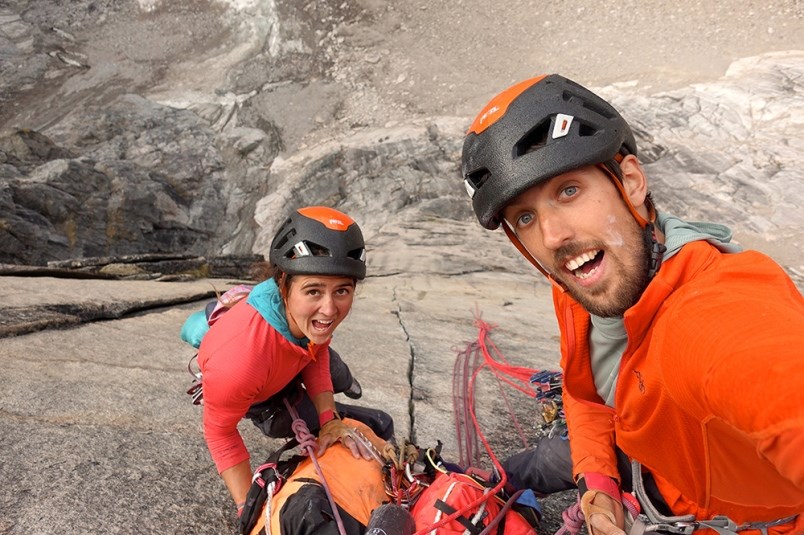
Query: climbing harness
x=652, y=521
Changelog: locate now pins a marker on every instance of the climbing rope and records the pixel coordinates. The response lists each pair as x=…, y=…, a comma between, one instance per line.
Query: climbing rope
x=308, y=445
x=470, y=362
x=573, y=520
x=476, y=356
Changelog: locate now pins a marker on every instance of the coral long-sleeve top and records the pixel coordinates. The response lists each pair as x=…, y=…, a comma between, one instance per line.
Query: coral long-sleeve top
x=245, y=358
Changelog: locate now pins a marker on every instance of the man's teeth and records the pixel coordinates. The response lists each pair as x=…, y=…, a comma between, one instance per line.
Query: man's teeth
x=578, y=261
x=581, y=275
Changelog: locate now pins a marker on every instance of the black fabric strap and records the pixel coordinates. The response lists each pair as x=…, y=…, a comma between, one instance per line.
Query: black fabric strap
x=462, y=520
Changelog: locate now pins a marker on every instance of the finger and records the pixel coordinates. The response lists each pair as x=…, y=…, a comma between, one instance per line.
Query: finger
x=324, y=442
x=365, y=452
x=353, y=447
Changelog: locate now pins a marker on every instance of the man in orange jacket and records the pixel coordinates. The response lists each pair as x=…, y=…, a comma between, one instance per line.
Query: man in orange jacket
x=682, y=356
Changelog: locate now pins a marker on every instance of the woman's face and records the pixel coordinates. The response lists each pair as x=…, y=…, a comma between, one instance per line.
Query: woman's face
x=316, y=304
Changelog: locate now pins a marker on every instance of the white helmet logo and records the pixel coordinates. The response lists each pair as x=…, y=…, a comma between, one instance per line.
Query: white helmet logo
x=562, y=125
x=301, y=249
x=493, y=109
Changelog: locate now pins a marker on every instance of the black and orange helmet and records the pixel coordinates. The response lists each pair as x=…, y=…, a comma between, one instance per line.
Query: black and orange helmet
x=532, y=132
x=318, y=240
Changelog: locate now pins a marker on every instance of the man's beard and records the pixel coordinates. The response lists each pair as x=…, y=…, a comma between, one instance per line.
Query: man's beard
x=628, y=289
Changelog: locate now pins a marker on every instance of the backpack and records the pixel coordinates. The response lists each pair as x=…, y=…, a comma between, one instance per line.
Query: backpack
x=196, y=326
x=198, y=323
x=297, y=502
x=451, y=492
x=273, y=470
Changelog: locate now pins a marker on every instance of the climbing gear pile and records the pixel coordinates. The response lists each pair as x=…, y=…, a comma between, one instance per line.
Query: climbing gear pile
x=548, y=394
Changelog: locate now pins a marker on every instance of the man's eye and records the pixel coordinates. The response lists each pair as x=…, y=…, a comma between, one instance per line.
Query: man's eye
x=569, y=191
x=524, y=219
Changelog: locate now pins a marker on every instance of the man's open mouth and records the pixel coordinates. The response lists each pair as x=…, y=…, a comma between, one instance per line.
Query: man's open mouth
x=585, y=265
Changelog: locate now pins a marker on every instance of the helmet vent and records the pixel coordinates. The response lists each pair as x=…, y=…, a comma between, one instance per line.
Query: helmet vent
x=308, y=248
x=357, y=254
x=478, y=178
x=569, y=96
x=283, y=240
x=533, y=140
x=584, y=130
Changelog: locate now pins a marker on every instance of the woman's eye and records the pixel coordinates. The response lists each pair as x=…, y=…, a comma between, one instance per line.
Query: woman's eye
x=569, y=191
x=524, y=219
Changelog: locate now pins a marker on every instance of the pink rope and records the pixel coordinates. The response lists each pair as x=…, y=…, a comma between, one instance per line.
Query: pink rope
x=573, y=520
x=307, y=444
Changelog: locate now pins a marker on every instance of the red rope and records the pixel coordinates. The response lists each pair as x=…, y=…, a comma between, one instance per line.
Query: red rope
x=479, y=347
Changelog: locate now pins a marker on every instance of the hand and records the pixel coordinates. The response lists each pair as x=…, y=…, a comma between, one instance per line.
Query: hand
x=604, y=514
x=334, y=431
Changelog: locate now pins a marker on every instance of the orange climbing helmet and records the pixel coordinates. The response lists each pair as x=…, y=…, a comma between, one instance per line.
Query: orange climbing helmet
x=318, y=240
x=532, y=132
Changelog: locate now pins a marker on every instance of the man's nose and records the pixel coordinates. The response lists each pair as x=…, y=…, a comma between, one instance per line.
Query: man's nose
x=555, y=229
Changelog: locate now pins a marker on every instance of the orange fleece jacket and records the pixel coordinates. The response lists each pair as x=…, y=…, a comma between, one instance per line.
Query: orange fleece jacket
x=710, y=394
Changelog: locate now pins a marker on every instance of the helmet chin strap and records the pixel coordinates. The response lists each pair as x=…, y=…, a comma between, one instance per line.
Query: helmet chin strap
x=283, y=292
x=524, y=251
x=656, y=249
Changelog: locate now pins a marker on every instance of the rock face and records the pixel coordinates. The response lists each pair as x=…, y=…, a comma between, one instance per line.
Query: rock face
x=139, y=177
x=177, y=131
x=136, y=177
x=115, y=146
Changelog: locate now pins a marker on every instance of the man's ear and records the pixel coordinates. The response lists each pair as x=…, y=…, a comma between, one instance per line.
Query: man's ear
x=635, y=183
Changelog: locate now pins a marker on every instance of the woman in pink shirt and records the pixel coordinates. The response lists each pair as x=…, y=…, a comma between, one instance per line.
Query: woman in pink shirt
x=277, y=338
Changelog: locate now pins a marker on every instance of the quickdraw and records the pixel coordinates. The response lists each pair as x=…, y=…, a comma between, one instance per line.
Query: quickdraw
x=196, y=389
x=406, y=477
